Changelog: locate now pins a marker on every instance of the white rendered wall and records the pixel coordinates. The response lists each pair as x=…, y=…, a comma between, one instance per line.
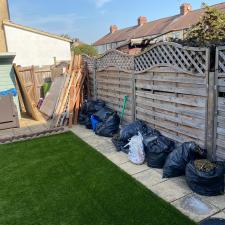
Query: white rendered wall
x=35, y=49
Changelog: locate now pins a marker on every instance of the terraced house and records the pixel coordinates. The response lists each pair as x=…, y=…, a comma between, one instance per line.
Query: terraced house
x=133, y=39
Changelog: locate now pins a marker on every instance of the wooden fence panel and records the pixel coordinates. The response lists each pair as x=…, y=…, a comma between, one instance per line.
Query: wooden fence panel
x=176, y=108
x=112, y=87
x=34, y=78
x=219, y=123
x=89, y=64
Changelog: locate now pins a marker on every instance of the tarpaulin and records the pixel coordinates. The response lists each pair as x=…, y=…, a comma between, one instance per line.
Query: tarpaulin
x=11, y=91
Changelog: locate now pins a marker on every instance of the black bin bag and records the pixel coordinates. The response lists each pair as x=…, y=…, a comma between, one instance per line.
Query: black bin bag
x=132, y=129
x=119, y=144
x=88, y=123
x=158, y=150
x=109, y=127
x=92, y=106
x=88, y=108
x=205, y=181
x=178, y=159
x=103, y=114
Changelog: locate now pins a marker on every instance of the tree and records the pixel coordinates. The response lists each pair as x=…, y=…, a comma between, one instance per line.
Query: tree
x=210, y=29
x=85, y=49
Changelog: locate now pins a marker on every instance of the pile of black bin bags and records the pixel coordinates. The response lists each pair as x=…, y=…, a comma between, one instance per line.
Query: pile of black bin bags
x=160, y=151
x=106, y=120
x=175, y=160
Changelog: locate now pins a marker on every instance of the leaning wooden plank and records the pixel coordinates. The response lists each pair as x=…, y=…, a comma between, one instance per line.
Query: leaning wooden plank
x=21, y=102
x=78, y=98
x=62, y=95
x=52, y=96
x=57, y=117
x=71, y=104
x=29, y=104
x=73, y=93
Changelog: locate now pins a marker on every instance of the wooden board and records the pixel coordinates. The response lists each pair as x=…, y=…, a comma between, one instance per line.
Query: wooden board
x=51, y=99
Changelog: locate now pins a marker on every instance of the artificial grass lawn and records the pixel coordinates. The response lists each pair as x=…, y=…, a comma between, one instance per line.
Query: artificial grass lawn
x=60, y=180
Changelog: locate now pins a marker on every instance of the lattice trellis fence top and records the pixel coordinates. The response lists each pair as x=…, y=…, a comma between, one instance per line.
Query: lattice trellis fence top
x=115, y=59
x=194, y=60
x=89, y=61
x=221, y=60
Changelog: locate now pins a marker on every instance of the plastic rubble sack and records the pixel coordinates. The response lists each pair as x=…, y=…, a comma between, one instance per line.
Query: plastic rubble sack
x=178, y=159
x=121, y=146
x=92, y=106
x=132, y=129
x=158, y=150
x=205, y=178
x=103, y=114
x=82, y=118
x=109, y=127
x=88, y=124
x=136, y=150
x=94, y=122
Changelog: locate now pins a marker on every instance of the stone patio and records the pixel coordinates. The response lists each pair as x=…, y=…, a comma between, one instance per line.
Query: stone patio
x=175, y=190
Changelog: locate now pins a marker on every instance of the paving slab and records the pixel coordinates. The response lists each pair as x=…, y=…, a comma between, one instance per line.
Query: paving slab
x=106, y=149
x=82, y=132
x=220, y=215
x=132, y=169
x=38, y=128
x=195, y=207
x=22, y=131
x=6, y=133
x=149, y=178
x=172, y=189
x=118, y=158
x=218, y=201
x=95, y=141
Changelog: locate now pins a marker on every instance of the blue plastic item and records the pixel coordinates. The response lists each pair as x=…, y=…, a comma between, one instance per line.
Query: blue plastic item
x=94, y=122
x=12, y=92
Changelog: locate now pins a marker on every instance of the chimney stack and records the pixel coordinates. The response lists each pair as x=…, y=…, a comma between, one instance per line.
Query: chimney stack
x=185, y=8
x=113, y=29
x=4, y=15
x=142, y=20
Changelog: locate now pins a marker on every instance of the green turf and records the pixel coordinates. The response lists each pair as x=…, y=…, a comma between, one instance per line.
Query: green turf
x=60, y=180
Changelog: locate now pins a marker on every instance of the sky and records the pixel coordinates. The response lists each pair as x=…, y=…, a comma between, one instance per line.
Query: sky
x=89, y=20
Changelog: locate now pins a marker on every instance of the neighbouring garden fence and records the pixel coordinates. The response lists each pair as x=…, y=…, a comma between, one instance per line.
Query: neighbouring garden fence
x=34, y=77
x=168, y=86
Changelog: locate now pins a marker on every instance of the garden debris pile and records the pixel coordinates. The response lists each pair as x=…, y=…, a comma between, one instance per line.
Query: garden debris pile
x=143, y=144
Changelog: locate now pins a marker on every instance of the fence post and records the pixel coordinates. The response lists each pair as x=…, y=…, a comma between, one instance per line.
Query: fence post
x=133, y=86
x=95, y=80
x=211, y=116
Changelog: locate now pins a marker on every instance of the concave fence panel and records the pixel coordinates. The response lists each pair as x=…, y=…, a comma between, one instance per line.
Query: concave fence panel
x=219, y=136
x=114, y=81
x=171, y=91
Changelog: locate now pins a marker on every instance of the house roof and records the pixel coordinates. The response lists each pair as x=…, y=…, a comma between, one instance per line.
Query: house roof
x=156, y=27
x=11, y=24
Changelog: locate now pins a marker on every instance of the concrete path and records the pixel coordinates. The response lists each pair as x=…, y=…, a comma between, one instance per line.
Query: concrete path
x=175, y=190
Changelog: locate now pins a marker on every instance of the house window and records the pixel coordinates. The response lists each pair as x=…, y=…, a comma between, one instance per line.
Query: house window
x=176, y=35
x=101, y=49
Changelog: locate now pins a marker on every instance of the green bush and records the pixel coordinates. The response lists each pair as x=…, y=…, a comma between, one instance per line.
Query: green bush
x=85, y=49
x=210, y=29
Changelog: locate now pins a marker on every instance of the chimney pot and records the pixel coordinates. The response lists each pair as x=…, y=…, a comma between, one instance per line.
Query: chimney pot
x=142, y=20
x=113, y=29
x=185, y=8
